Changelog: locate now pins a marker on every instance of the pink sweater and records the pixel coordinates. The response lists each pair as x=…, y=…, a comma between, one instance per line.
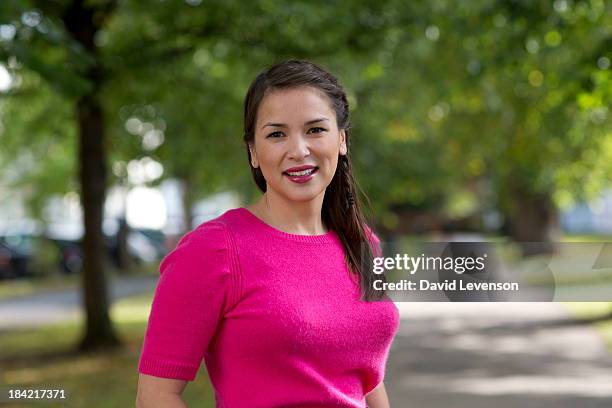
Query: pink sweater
x=276, y=317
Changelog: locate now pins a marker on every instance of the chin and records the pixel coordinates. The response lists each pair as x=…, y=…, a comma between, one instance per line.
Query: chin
x=301, y=197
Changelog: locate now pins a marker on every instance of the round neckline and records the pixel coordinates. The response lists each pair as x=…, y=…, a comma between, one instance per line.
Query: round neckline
x=320, y=238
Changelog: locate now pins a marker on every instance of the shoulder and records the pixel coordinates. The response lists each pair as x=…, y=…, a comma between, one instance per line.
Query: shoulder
x=206, y=245
x=214, y=234
x=210, y=234
x=202, y=262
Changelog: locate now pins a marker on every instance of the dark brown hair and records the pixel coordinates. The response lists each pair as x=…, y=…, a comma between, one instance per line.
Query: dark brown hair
x=342, y=210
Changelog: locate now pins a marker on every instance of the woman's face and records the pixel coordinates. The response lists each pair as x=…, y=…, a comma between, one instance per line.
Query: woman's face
x=297, y=143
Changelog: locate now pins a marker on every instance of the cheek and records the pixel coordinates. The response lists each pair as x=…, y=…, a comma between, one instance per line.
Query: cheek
x=331, y=164
x=331, y=154
x=270, y=162
x=333, y=167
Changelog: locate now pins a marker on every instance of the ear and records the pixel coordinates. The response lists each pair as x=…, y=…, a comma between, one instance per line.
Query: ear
x=254, y=160
x=343, y=148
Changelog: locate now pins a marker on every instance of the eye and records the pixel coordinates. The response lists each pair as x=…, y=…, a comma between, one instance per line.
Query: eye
x=316, y=130
x=276, y=134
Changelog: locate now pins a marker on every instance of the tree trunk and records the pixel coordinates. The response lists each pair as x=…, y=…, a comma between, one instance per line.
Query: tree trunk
x=83, y=20
x=98, y=329
x=533, y=221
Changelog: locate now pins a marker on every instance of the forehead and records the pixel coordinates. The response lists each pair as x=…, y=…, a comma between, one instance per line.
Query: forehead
x=295, y=105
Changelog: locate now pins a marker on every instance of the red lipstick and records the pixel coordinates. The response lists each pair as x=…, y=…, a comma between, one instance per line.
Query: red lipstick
x=301, y=174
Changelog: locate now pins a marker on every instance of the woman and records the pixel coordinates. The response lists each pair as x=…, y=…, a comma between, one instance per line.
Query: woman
x=275, y=297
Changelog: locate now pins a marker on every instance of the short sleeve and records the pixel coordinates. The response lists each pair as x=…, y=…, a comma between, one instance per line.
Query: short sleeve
x=194, y=291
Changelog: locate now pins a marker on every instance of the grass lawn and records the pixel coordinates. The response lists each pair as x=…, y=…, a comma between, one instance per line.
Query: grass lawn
x=594, y=310
x=45, y=358
x=586, y=238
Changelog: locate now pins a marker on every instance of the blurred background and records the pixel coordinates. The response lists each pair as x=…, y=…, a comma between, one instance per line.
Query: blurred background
x=121, y=129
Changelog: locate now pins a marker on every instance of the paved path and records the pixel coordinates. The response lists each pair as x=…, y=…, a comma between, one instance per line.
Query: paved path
x=500, y=355
x=53, y=307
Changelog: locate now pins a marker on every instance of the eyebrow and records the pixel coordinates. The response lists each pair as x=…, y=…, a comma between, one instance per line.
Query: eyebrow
x=310, y=122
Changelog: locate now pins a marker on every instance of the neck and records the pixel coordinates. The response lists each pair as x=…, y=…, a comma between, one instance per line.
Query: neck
x=303, y=218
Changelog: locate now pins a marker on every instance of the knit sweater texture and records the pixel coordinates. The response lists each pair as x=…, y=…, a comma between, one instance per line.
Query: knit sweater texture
x=276, y=317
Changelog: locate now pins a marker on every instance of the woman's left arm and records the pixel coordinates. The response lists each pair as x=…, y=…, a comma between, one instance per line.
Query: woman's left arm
x=377, y=398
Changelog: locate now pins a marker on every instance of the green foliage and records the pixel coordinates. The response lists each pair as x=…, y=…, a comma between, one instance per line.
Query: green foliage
x=513, y=93
x=38, y=154
x=452, y=102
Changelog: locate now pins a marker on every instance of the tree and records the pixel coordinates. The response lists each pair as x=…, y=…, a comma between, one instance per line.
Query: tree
x=510, y=95
x=62, y=50
x=86, y=50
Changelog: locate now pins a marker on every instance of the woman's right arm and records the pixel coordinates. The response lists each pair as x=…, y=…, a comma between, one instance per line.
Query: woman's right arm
x=194, y=292
x=154, y=392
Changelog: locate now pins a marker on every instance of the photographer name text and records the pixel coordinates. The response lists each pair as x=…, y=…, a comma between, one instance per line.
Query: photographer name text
x=453, y=285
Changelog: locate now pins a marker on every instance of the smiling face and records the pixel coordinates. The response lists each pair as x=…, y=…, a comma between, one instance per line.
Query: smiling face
x=297, y=143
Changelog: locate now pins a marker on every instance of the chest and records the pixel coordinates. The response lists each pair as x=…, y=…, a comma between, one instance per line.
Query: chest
x=307, y=307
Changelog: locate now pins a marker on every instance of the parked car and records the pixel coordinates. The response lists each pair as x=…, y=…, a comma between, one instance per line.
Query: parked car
x=20, y=249
x=156, y=238
x=140, y=248
x=13, y=262
x=28, y=253
x=71, y=255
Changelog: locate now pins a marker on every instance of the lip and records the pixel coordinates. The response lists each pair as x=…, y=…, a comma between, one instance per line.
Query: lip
x=301, y=179
x=300, y=168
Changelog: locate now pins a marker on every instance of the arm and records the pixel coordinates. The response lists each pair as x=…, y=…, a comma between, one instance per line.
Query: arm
x=156, y=392
x=377, y=398
x=191, y=296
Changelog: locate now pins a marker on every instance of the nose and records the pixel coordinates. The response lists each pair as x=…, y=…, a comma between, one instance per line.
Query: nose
x=298, y=148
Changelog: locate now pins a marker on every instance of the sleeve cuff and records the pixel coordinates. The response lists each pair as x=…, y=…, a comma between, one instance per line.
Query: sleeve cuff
x=165, y=369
